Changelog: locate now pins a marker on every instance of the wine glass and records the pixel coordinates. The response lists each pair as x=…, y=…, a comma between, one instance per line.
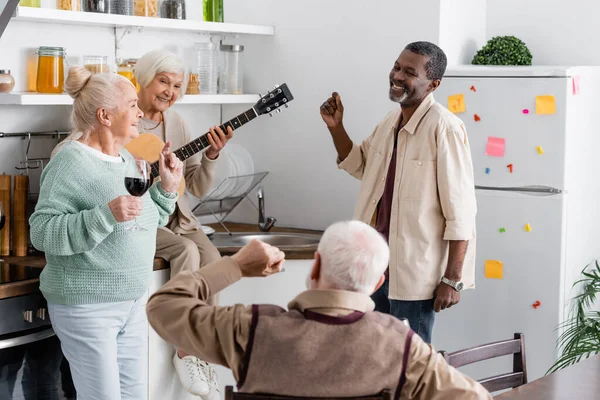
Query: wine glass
x=137, y=182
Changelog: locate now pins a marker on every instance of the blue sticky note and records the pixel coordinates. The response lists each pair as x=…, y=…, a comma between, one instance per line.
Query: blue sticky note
x=487, y=171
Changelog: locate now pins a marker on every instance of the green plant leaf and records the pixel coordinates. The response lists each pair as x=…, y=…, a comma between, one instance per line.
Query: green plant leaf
x=580, y=338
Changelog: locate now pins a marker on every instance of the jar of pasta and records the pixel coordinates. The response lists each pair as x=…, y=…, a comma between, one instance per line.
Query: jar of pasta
x=70, y=5
x=96, y=64
x=145, y=8
x=51, y=70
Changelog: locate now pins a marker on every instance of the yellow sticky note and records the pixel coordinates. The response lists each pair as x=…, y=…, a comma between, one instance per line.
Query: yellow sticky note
x=493, y=269
x=545, y=104
x=456, y=103
x=540, y=150
x=528, y=227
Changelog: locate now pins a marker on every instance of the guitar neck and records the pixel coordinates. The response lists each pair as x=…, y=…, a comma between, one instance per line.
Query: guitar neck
x=201, y=143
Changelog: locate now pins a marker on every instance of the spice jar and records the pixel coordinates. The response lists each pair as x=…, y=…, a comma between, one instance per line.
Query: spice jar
x=173, y=9
x=96, y=64
x=70, y=5
x=97, y=6
x=121, y=7
x=145, y=8
x=7, y=82
x=51, y=70
x=193, y=86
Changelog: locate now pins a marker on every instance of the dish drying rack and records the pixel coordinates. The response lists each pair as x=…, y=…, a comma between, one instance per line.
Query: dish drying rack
x=215, y=205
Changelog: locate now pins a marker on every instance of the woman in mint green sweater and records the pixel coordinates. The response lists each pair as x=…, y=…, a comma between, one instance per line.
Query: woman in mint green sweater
x=97, y=272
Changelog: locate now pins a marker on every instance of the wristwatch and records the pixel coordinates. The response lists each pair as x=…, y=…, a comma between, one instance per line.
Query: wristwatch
x=458, y=286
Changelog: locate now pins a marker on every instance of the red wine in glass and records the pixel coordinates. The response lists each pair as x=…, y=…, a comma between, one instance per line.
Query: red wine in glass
x=137, y=182
x=137, y=186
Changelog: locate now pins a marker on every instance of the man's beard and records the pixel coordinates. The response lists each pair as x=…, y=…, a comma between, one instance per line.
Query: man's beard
x=399, y=99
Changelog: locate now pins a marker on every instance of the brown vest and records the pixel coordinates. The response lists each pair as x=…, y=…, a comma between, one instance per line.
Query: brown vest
x=309, y=354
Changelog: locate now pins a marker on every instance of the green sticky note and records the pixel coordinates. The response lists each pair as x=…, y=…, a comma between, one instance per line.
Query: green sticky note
x=502, y=230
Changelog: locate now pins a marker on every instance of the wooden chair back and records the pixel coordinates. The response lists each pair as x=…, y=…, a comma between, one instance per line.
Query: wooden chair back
x=509, y=380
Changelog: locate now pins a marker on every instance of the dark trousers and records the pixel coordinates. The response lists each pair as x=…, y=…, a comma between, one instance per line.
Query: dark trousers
x=420, y=313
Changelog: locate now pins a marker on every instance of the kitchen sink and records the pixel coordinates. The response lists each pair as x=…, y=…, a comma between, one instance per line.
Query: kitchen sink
x=289, y=241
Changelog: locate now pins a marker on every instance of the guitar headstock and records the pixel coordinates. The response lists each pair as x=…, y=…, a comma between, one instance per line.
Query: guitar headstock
x=274, y=100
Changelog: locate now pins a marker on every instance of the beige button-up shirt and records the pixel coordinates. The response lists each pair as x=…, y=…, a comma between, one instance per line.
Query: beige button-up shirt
x=434, y=195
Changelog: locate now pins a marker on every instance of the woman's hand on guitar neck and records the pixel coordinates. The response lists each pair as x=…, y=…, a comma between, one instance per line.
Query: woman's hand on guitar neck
x=170, y=169
x=217, y=140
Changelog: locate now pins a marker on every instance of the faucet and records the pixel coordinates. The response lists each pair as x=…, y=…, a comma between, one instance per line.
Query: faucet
x=263, y=225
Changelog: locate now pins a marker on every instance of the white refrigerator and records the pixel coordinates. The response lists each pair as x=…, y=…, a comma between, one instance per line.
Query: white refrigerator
x=535, y=145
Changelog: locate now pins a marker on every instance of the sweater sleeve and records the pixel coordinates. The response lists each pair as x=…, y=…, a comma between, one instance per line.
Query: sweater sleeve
x=164, y=204
x=57, y=226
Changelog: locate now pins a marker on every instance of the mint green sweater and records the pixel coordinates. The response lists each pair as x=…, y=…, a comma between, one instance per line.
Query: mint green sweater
x=91, y=258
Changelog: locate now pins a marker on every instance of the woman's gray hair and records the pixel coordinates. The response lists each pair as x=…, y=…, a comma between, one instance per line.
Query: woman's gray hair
x=156, y=62
x=90, y=92
x=353, y=256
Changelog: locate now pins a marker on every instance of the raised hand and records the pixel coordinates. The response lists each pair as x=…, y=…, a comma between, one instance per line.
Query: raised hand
x=332, y=111
x=170, y=169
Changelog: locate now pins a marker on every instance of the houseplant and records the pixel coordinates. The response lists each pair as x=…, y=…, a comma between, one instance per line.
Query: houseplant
x=581, y=336
x=503, y=50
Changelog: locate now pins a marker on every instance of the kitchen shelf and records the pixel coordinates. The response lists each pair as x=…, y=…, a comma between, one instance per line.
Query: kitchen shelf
x=40, y=99
x=52, y=16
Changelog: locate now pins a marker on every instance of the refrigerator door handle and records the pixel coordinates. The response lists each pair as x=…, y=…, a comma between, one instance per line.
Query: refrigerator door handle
x=525, y=189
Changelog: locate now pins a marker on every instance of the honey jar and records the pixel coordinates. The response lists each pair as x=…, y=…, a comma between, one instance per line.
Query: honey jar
x=51, y=70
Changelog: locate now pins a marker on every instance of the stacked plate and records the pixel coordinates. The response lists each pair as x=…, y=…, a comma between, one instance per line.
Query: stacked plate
x=233, y=162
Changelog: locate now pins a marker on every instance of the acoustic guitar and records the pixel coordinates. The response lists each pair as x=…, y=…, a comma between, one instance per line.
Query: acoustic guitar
x=148, y=146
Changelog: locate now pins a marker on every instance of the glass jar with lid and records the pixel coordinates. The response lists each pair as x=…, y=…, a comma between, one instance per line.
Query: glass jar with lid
x=126, y=70
x=69, y=5
x=121, y=7
x=96, y=64
x=7, y=82
x=231, y=69
x=97, y=6
x=208, y=67
x=212, y=10
x=51, y=70
x=145, y=8
x=173, y=9
x=31, y=3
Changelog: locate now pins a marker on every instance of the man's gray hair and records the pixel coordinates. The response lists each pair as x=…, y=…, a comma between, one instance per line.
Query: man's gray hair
x=156, y=62
x=353, y=256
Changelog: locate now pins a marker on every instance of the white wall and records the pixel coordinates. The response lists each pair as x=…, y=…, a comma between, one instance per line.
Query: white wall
x=462, y=29
x=320, y=47
x=556, y=32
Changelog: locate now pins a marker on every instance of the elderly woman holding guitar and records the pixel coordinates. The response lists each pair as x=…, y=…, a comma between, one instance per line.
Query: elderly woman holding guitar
x=162, y=79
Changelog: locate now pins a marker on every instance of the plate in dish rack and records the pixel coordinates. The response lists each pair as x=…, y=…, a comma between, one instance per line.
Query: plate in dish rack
x=208, y=230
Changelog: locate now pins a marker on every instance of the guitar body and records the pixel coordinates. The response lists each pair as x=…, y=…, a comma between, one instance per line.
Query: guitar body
x=148, y=147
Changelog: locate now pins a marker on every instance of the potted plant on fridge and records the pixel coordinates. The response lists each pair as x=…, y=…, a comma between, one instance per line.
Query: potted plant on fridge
x=503, y=50
x=581, y=336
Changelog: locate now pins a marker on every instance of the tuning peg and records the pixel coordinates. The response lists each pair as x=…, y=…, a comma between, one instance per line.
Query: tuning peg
x=260, y=95
x=286, y=106
x=270, y=114
x=278, y=110
x=275, y=87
